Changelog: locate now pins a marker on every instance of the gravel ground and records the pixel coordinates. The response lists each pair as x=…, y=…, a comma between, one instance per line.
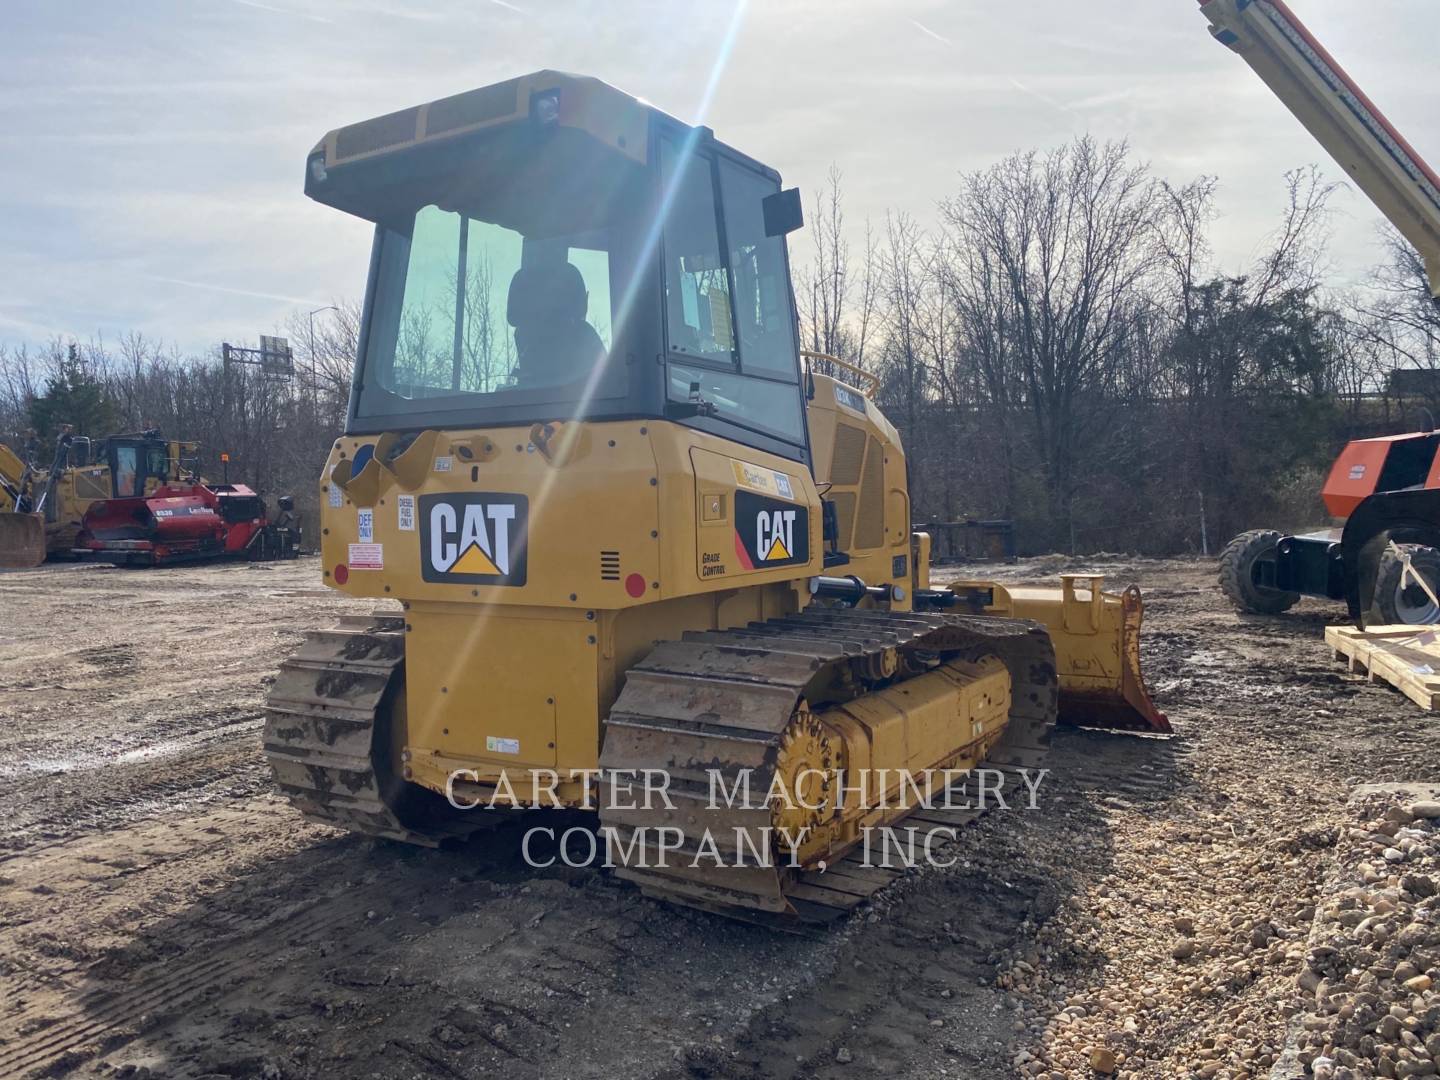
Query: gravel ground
x=1369, y=1005
x=161, y=914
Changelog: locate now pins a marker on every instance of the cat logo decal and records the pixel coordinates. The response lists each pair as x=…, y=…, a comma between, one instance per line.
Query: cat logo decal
x=770, y=533
x=478, y=538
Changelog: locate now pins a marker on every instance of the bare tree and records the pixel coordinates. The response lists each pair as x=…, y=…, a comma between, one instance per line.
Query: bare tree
x=1054, y=256
x=837, y=311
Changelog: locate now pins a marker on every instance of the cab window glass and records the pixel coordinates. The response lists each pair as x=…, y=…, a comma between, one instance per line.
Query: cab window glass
x=127, y=476
x=470, y=310
x=757, y=267
x=452, y=334
x=771, y=407
x=697, y=287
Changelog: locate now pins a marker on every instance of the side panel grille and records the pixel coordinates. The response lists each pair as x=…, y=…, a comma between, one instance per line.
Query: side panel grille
x=609, y=566
x=870, y=517
x=849, y=453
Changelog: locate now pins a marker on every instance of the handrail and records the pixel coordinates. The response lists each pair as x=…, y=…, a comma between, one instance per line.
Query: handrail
x=870, y=383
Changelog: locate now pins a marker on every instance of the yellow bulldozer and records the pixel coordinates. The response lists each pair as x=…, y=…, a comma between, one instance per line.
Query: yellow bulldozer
x=632, y=532
x=41, y=510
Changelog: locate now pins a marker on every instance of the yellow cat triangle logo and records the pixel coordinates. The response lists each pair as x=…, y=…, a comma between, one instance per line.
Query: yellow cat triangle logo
x=475, y=561
x=777, y=551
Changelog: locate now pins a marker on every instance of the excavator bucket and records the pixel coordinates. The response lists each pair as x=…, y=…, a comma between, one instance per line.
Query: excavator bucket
x=22, y=541
x=1097, y=646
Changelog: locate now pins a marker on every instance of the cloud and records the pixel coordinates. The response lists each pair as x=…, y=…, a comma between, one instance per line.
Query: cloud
x=282, y=11
x=1058, y=106
x=930, y=33
x=232, y=291
x=152, y=168
x=31, y=331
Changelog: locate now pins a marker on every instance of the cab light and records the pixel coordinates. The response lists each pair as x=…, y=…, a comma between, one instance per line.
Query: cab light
x=545, y=108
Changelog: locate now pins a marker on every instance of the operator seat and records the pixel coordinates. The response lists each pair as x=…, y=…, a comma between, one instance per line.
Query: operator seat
x=554, y=344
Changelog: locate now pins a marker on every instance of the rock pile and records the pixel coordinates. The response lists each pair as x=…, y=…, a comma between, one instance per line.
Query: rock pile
x=1181, y=962
x=1371, y=1005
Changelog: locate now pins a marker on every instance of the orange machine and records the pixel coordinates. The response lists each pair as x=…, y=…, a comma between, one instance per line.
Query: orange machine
x=1389, y=463
x=1264, y=572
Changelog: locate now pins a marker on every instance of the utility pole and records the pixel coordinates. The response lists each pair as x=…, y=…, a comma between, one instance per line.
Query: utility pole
x=314, y=370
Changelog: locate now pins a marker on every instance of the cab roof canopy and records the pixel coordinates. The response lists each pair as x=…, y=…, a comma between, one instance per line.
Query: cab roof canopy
x=563, y=131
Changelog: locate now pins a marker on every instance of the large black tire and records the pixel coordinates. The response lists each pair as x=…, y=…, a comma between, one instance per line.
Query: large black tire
x=1237, y=574
x=1403, y=603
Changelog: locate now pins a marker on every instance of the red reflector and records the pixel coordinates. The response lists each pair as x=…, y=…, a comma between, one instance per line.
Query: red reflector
x=342, y=574
x=635, y=586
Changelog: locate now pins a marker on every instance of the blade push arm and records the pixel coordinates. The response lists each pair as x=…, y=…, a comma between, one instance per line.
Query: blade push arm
x=1303, y=75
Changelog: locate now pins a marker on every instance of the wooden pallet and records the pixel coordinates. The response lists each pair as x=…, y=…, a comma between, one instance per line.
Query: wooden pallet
x=1407, y=657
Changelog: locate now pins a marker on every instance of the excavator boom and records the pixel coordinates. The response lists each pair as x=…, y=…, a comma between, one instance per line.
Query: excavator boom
x=1313, y=86
x=22, y=532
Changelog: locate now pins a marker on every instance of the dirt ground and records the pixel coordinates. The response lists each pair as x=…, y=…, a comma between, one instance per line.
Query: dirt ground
x=162, y=914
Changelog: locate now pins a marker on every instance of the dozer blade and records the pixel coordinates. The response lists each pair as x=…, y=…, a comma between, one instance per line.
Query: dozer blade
x=1097, y=646
x=22, y=541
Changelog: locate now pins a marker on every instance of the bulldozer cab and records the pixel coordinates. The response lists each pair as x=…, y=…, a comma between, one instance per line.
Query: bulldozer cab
x=552, y=249
x=135, y=462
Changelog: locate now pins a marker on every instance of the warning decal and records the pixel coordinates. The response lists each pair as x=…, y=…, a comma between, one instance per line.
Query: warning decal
x=367, y=557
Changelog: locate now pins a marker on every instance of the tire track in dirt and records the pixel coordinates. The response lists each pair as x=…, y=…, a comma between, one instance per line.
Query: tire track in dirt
x=102, y=1014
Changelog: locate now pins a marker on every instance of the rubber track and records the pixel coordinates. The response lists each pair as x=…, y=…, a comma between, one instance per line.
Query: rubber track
x=721, y=700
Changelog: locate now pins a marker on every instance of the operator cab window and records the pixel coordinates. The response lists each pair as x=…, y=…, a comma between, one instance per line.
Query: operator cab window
x=128, y=480
x=727, y=301
x=157, y=460
x=486, y=310
x=697, y=288
x=761, y=278
x=505, y=289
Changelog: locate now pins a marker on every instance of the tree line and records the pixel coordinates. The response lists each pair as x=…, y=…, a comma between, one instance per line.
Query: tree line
x=1058, y=347
x=276, y=431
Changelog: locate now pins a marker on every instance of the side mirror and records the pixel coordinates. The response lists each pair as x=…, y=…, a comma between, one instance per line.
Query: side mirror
x=783, y=212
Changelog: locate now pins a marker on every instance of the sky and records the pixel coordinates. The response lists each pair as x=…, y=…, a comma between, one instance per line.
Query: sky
x=151, y=151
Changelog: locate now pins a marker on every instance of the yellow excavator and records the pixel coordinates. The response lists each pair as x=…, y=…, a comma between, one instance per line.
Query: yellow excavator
x=631, y=532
